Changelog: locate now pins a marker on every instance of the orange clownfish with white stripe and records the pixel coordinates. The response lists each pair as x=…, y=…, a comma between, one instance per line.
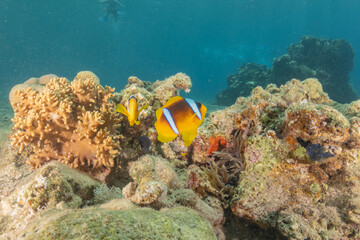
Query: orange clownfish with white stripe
x=179, y=116
x=132, y=111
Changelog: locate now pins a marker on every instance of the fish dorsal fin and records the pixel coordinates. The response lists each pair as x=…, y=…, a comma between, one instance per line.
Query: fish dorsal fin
x=121, y=109
x=158, y=113
x=172, y=100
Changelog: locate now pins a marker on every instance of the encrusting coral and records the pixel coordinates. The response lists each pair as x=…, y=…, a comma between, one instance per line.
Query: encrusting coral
x=73, y=122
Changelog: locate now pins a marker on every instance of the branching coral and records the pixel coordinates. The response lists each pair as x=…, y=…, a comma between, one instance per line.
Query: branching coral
x=73, y=122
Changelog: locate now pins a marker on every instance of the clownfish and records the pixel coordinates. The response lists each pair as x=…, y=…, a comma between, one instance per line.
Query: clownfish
x=179, y=116
x=132, y=111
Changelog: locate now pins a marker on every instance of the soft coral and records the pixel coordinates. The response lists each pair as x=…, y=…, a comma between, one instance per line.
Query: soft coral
x=216, y=144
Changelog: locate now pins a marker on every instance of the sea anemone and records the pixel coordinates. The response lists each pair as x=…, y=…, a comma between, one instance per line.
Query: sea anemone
x=232, y=157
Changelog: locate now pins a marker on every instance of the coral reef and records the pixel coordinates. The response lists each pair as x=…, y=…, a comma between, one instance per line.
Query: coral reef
x=73, y=122
x=280, y=187
x=280, y=164
x=212, y=180
x=68, y=122
x=154, y=95
x=328, y=60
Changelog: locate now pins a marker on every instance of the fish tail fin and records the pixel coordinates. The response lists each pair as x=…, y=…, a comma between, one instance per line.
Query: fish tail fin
x=121, y=109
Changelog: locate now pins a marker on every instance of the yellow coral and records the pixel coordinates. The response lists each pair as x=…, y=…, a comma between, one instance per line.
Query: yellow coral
x=73, y=122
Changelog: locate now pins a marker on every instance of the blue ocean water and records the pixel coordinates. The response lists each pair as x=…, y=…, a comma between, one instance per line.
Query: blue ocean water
x=153, y=39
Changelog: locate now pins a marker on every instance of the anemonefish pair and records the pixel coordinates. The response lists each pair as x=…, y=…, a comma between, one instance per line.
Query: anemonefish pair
x=179, y=116
x=132, y=111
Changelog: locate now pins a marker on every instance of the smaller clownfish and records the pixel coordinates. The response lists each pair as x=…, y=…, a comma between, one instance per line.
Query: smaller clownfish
x=179, y=116
x=132, y=111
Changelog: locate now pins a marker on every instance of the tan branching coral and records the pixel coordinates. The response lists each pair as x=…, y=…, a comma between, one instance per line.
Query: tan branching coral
x=36, y=84
x=73, y=122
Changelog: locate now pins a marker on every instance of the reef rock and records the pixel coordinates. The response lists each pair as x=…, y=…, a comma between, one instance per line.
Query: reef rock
x=52, y=185
x=73, y=122
x=315, y=123
x=140, y=223
x=152, y=178
x=157, y=184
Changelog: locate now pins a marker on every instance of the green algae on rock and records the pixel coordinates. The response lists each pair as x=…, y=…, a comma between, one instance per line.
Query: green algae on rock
x=55, y=183
x=142, y=223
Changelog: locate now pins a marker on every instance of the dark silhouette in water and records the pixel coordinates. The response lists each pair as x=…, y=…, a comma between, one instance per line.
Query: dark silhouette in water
x=145, y=143
x=315, y=151
x=112, y=8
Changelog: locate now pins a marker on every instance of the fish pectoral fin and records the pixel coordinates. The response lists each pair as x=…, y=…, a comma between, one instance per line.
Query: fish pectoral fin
x=164, y=135
x=189, y=136
x=121, y=109
x=158, y=113
x=144, y=107
x=137, y=122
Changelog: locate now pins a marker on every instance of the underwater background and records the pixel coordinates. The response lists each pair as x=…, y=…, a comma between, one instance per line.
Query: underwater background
x=80, y=161
x=153, y=39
